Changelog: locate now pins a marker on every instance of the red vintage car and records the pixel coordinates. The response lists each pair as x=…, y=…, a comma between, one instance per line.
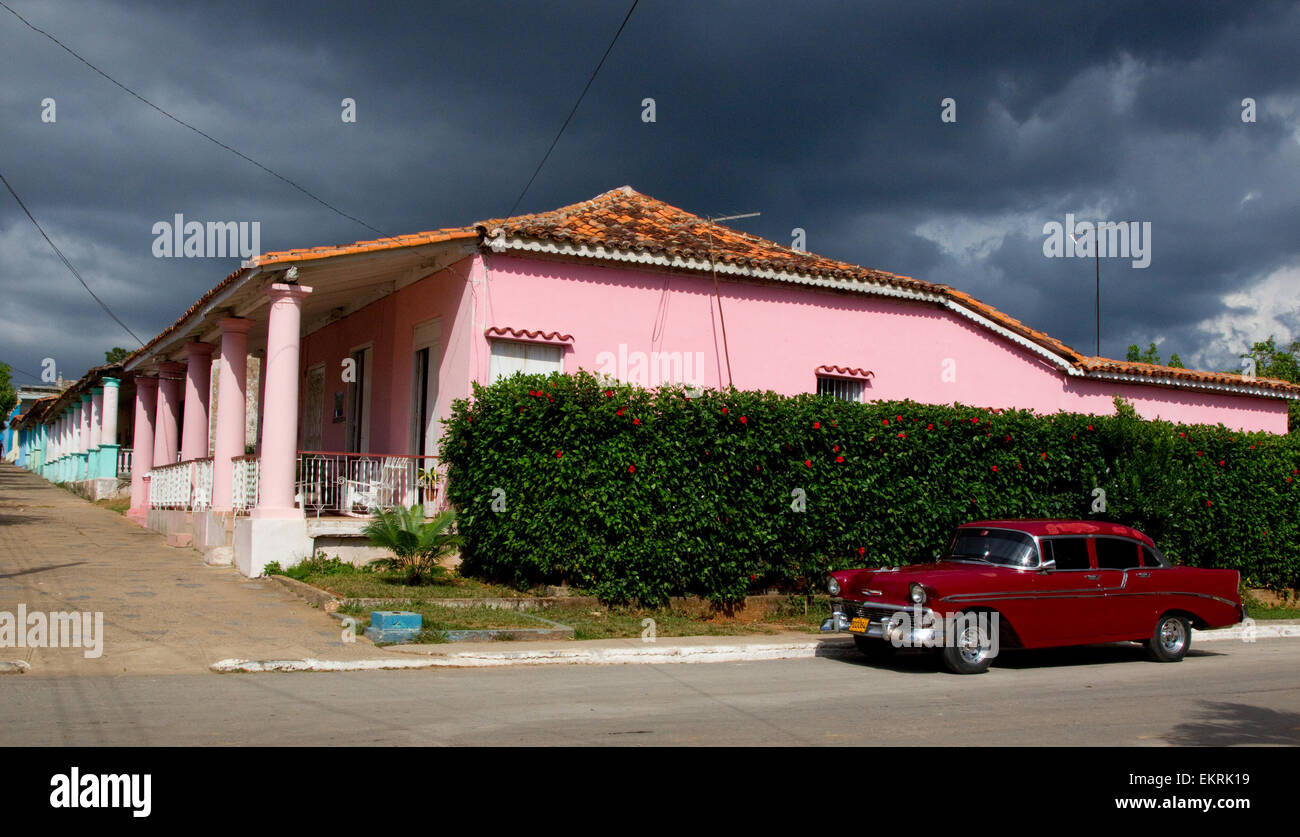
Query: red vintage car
x=1033, y=584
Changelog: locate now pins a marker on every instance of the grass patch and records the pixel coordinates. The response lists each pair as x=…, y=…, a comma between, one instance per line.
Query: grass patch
x=1258, y=611
x=370, y=582
x=610, y=622
x=118, y=505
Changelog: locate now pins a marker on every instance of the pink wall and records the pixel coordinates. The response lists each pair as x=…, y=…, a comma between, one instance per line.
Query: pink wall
x=778, y=335
x=388, y=325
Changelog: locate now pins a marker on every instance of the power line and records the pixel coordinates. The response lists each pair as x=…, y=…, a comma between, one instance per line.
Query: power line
x=594, y=72
x=67, y=263
x=201, y=133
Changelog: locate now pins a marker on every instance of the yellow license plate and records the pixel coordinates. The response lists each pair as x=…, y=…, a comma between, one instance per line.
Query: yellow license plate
x=859, y=625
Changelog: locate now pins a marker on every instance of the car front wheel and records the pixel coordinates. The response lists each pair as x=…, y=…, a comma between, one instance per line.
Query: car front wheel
x=1171, y=639
x=969, y=652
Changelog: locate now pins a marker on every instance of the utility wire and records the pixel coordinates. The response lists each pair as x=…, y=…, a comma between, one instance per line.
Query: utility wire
x=581, y=96
x=185, y=124
x=67, y=263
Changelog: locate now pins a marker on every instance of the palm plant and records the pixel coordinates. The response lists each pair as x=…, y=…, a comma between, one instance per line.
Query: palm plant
x=417, y=544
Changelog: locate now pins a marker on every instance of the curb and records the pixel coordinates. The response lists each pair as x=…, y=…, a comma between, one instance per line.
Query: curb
x=1250, y=633
x=648, y=654
x=314, y=595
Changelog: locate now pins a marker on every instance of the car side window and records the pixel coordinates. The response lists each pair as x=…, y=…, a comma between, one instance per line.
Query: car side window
x=1069, y=553
x=1149, y=558
x=1116, y=553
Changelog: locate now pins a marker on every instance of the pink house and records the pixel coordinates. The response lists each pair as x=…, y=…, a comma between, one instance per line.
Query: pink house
x=366, y=346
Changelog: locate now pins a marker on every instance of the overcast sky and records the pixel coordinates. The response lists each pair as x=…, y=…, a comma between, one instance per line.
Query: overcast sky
x=822, y=116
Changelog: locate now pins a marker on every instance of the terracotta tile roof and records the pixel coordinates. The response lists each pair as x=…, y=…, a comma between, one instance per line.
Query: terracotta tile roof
x=624, y=219
x=392, y=243
x=1151, y=370
x=630, y=222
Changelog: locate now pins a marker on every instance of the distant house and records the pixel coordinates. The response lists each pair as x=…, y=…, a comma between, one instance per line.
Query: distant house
x=367, y=345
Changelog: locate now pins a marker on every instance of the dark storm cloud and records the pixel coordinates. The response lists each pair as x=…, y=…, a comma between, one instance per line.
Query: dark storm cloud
x=823, y=116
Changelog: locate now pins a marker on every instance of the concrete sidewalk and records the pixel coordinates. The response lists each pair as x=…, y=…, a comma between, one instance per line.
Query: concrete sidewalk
x=164, y=610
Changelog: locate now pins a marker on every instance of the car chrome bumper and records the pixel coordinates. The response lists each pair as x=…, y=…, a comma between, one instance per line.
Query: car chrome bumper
x=893, y=623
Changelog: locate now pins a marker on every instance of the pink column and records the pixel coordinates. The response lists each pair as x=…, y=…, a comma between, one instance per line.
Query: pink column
x=146, y=402
x=280, y=435
x=198, y=377
x=232, y=380
x=166, y=436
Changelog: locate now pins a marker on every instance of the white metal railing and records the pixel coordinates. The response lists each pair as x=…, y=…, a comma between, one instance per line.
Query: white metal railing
x=243, y=487
x=355, y=484
x=124, y=462
x=201, y=484
x=169, y=486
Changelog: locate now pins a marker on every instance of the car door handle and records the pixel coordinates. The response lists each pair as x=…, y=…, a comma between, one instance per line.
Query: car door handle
x=1144, y=575
x=1092, y=577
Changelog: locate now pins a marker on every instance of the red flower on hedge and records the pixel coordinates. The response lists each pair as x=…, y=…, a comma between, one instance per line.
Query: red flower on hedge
x=1198, y=453
x=559, y=453
x=1208, y=503
x=744, y=420
x=1044, y=454
x=1090, y=427
x=1223, y=462
x=724, y=411
x=862, y=550
x=620, y=412
x=609, y=393
x=839, y=459
x=900, y=418
x=753, y=576
x=636, y=421
x=885, y=422
x=1182, y=435
x=995, y=469
x=902, y=435
x=631, y=469
x=1008, y=438
x=836, y=448
x=807, y=463
x=817, y=425
x=975, y=420
x=929, y=427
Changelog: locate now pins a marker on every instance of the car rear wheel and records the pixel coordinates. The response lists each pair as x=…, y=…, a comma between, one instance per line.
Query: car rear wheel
x=874, y=649
x=969, y=652
x=1171, y=639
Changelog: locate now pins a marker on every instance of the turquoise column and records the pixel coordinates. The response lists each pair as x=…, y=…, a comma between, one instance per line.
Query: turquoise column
x=108, y=430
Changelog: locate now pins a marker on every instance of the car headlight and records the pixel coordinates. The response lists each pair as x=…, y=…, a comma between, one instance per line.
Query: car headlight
x=917, y=593
x=833, y=586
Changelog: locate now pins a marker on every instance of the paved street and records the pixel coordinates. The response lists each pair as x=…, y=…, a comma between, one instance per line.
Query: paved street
x=168, y=617
x=165, y=611
x=1242, y=694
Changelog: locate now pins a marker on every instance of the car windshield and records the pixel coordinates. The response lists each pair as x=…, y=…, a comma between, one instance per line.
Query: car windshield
x=994, y=546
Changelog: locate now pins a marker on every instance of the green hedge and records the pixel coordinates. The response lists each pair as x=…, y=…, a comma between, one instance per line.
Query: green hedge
x=644, y=494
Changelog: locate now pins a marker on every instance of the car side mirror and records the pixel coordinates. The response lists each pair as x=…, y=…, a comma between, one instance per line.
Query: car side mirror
x=1048, y=566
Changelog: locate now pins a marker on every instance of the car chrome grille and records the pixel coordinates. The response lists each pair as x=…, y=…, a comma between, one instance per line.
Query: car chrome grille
x=854, y=610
